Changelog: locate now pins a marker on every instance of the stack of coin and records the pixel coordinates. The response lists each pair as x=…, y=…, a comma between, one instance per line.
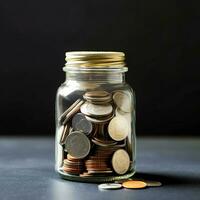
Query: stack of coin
x=73, y=165
x=99, y=161
x=98, y=97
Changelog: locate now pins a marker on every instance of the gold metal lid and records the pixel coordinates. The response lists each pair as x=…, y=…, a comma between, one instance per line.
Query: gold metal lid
x=94, y=59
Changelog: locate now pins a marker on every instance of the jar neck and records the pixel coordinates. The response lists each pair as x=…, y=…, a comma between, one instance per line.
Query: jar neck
x=96, y=77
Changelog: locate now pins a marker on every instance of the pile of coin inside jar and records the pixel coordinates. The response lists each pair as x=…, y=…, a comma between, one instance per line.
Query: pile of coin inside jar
x=95, y=134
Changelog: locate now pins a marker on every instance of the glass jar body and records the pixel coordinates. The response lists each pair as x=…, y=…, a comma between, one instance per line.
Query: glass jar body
x=95, y=127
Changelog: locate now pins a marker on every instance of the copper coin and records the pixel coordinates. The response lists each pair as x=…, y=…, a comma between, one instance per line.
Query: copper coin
x=100, y=172
x=71, y=163
x=71, y=158
x=134, y=184
x=67, y=169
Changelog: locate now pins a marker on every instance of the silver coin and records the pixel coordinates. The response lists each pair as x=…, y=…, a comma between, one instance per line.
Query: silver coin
x=77, y=145
x=110, y=186
x=120, y=161
x=123, y=100
x=96, y=110
x=80, y=123
x=119, y=128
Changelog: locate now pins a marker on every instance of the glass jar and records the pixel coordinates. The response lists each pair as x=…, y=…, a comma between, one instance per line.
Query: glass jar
x=95, y=119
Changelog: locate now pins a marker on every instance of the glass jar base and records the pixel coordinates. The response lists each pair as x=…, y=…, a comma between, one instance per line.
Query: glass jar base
x=95, y=179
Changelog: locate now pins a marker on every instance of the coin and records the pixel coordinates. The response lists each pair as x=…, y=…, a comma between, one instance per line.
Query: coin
x=96, y=110
x=134, y=184
x=126, y=115
x=120, y=161
x=80, y=123
x=62, y=117
x=65, y=132
x=110, y=186
x=100, y=120
x=100, y=172
x=153, y=183
x=123, y=101
x=77, y=144
x=73, y=111
x=71, y=158
x=103, y=143
x=100, y=93
x=98, y=97
x=118, y=128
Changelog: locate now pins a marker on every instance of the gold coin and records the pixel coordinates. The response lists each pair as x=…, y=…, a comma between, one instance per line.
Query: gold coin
x=134, y=184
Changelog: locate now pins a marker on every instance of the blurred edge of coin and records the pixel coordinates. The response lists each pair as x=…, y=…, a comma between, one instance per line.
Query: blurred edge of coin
x=153, y=183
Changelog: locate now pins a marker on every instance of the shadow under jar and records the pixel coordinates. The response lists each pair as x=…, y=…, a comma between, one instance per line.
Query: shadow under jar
x=95, y=119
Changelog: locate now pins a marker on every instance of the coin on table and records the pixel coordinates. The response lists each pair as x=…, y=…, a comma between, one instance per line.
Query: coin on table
x=123, y=101
x=153, y=183
x=77, y=144
x=120, y=161
x=118, y=128
x=110, y=186
x=134, y=184
x=96, y=110
x=80, y=123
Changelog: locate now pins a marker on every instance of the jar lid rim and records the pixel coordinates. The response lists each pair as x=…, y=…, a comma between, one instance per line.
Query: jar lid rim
x=95, y=59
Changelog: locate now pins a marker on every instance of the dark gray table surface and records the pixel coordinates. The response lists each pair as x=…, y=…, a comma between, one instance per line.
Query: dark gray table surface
x=27, y=171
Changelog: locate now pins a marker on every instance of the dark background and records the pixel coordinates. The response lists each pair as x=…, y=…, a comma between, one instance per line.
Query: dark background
x=160, y=39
